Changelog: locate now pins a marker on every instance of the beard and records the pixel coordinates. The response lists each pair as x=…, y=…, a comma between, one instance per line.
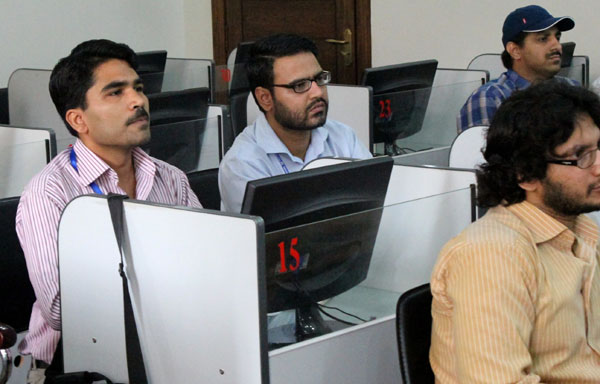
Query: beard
x=556, y=198
x=300, y=120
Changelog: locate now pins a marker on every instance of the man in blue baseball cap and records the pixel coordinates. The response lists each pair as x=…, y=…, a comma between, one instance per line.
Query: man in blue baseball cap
x=532, y=52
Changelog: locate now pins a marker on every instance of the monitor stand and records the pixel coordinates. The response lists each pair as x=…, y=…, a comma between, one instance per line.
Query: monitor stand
x=309, y=322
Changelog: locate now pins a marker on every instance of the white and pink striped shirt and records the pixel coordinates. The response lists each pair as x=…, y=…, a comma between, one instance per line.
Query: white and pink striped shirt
x=40, y=207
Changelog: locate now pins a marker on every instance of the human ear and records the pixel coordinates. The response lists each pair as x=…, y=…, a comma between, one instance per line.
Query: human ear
x=75, y=119
x=264, y=98
x=513, y=50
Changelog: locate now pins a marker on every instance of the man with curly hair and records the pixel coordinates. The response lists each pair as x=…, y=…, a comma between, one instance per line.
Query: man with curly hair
x=516, y=296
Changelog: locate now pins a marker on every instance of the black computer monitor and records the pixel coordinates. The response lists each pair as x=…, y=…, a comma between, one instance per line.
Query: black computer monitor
x=400, y=97
x=177, y=124
x=151, y=68
x=309, y=263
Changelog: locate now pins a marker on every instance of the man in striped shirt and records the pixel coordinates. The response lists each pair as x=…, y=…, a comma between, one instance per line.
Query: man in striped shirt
x=516, y=296
x=100, y=97
x=532, y=52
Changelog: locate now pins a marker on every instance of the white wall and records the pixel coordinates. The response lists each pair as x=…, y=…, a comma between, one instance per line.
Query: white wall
x=36, y=33
x=453, y=32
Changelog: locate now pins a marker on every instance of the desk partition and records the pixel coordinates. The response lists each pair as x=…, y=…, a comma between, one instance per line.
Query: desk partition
x=23, y=153
x=195, y=290
x=423, y=119
x=30, y=105
x=179, y=256
x=183, y=74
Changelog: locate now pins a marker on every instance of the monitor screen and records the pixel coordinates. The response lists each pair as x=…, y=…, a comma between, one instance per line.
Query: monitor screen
x=309, y=263
x=177, y=123
x=151, y=68
x=400, y=97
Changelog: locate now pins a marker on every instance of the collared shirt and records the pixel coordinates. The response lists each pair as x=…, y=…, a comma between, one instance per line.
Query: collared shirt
x=516, y=299
x=258, y=153
x=38, y=214
x=483, y=103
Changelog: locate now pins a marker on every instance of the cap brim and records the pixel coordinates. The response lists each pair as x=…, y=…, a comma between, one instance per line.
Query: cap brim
x=562, y=23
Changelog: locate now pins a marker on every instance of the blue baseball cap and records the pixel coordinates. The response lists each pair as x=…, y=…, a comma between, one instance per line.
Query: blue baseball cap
x=532, y=18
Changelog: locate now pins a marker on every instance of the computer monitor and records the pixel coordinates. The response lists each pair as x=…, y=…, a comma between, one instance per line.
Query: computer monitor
x=177, y=123
x=309, y=263
x=151, y=68
x=400, y=97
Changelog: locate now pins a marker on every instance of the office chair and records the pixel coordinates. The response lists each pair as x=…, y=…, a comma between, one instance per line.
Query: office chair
x=205, y=185
x=16, y=292
x=4, y=119
x=465, y=151
x=413, y=328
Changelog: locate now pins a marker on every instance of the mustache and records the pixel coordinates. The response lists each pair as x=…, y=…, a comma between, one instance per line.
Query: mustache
x=139, y=113
x=319, y=100
x=554, y=53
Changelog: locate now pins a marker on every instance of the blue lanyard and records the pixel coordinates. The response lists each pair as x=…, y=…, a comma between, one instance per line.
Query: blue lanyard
x=93, y=184
x=285, y=168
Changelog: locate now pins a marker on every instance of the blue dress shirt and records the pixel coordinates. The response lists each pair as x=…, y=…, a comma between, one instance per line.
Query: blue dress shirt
x=483, y=103
x=256, y=154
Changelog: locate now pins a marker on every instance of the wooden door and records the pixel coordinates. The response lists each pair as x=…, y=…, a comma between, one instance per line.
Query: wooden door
x=235, y=21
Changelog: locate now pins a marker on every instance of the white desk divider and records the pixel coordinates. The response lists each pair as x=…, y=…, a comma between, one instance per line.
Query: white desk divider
x=349, y=104
x=195, y=291
x=30, y=104
x=23, y=153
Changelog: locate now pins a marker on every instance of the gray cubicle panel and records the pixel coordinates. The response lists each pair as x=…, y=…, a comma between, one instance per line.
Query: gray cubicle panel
x=195, y=290
x=450, y=90
x=30, y=104
x=578, y=70
x=447, y=76
x=492, y=62
x=23, y=153
x=183, y=74
x=349, y=104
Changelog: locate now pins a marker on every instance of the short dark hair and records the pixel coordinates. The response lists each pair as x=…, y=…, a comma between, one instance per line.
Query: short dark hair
x=259, y=67
x=74, y=75
x=524, y=132
x=506, y=58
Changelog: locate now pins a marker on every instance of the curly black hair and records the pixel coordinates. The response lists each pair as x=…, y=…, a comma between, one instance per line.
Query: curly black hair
x=524, y=133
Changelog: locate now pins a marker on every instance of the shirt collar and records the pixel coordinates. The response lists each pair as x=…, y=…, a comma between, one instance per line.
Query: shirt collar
x=90, y=167
x=520, y=82
x=268, y=140
x=543, y=227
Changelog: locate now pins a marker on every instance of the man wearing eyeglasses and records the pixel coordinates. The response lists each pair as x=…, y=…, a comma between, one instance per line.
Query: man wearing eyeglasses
x=289, y=86
x=516, y=296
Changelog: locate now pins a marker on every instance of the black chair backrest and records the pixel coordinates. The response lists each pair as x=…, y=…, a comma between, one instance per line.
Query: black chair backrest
x=16, y=293
x=205, y=185
x=413, y=328
x=4, y=119
x=237, y=110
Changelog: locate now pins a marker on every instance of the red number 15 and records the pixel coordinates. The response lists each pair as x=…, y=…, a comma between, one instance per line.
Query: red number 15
x=293, y=252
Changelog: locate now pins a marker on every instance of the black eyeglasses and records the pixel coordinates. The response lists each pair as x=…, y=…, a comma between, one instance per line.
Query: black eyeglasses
x=301, y=86
x=584, y=161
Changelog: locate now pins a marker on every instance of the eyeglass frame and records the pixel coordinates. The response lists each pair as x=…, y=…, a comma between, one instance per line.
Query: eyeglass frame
x=592, y=152
x=295, y=83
